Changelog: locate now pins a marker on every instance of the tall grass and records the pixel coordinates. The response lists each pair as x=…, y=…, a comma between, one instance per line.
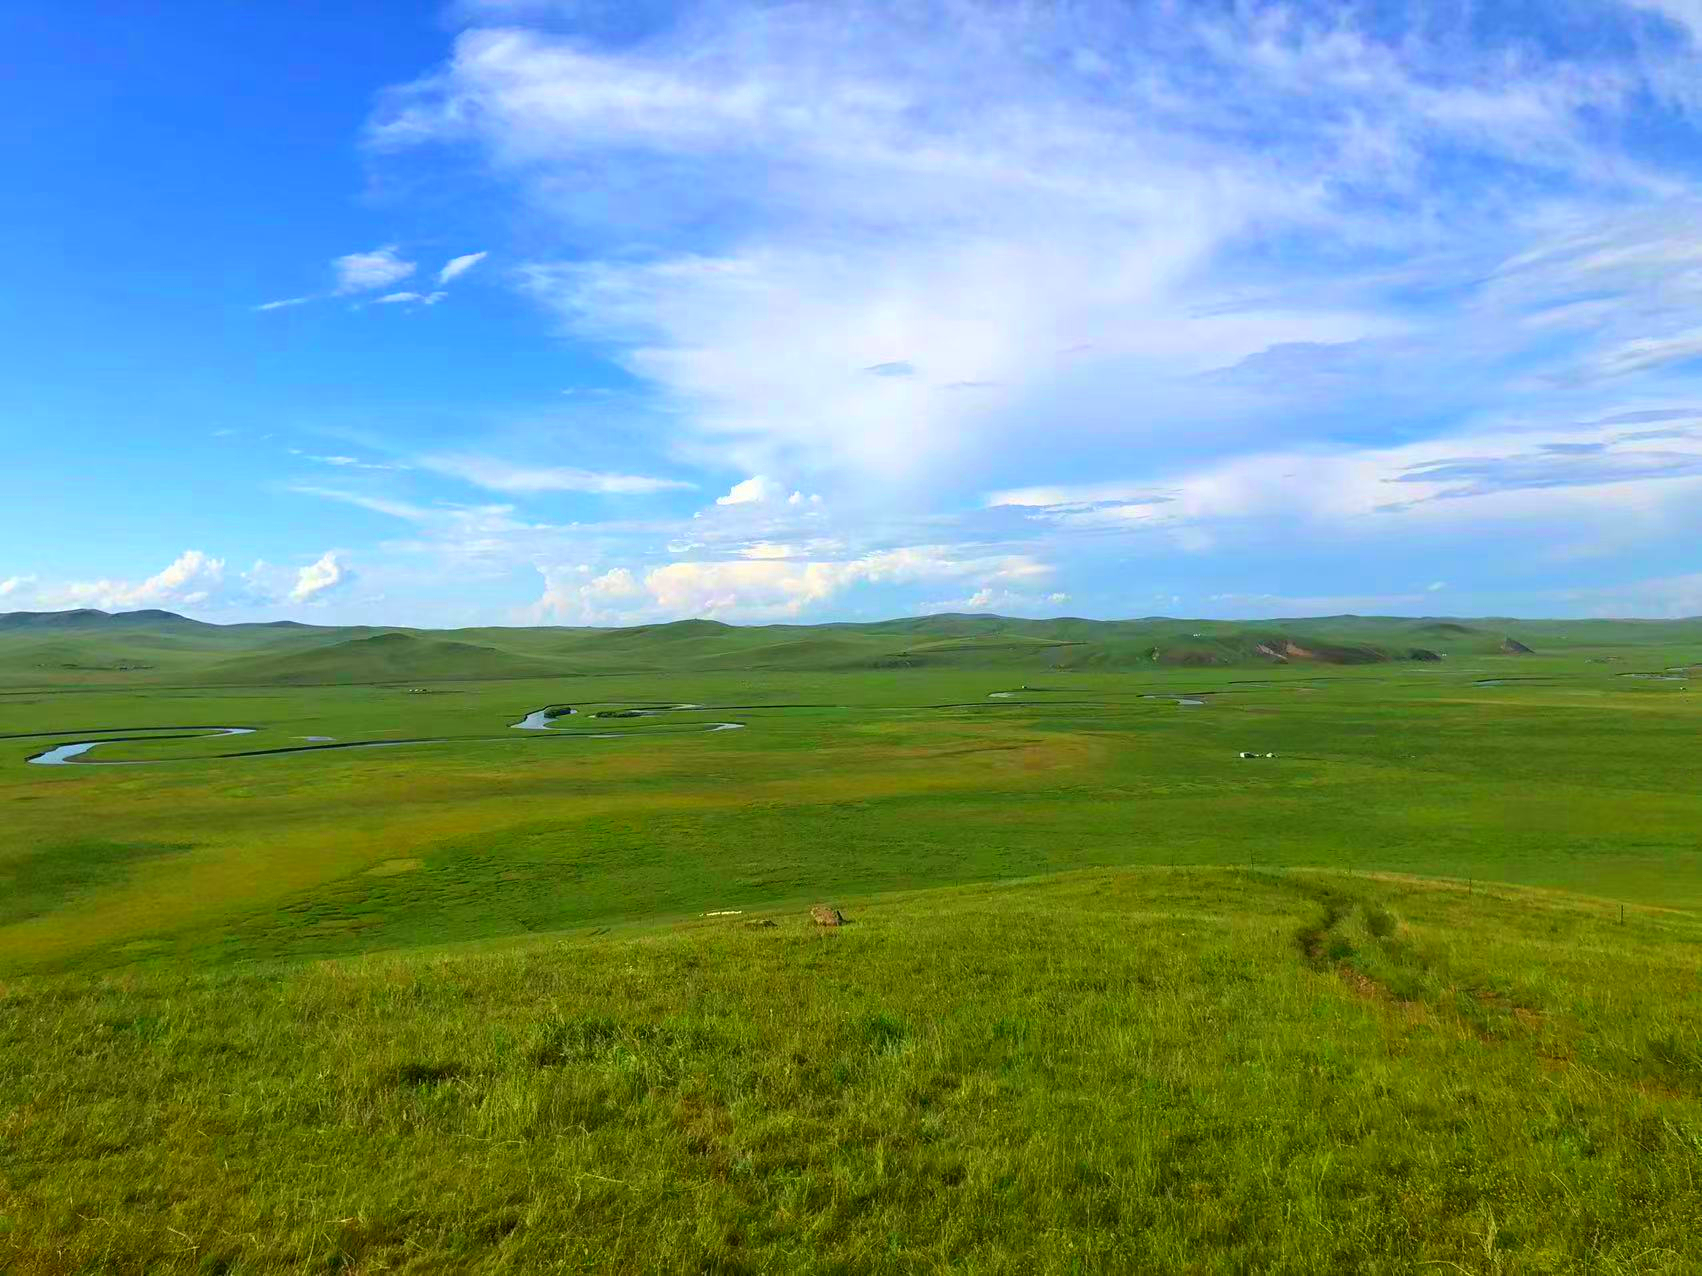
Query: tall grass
x=1203, y=1070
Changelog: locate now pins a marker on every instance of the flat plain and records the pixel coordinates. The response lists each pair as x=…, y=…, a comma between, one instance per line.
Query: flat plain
x=1421, y=986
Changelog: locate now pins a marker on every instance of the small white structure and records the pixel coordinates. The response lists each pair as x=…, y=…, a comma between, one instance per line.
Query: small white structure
x=1257, y=755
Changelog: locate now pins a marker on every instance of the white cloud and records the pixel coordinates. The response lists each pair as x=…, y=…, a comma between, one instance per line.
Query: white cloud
x=410, y=298
x=1081, y=494
x=348, y=462
x=504, y=476
x=951, y=195
x=15, y=584
x=364, y=272
x=283, y=304
x=753, y=491
x=1491, y=475
x=328, y=572
x=766, y=588
x=1650, y=352
x=458, y=266
x=570, y=596
x=191, y=579
x=1309, y=278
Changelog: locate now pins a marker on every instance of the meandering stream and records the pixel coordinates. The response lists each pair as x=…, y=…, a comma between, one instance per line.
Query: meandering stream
x=545, y=719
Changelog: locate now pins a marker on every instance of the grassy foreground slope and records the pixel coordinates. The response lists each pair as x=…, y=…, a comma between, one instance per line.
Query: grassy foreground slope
x=1207, y=1070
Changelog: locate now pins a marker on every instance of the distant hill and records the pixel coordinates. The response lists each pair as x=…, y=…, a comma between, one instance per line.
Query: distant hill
x=388, y=657
x=129, y=648
x=91, y=619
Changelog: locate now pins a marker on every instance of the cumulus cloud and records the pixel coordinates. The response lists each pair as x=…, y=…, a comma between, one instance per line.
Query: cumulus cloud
x=15, y=584
x=366, y=272
x=192, y=578
x=578, y=597
x=455, y=267
x=766, y=588
x=753, y=491
x=326, y=573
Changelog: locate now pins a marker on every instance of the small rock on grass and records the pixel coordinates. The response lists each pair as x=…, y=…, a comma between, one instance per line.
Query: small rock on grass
x=825, y=916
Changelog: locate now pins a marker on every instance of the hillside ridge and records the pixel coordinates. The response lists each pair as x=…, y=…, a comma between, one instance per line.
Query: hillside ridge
x=83, y=645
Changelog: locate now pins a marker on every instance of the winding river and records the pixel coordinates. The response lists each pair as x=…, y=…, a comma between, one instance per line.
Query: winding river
x=76, y=752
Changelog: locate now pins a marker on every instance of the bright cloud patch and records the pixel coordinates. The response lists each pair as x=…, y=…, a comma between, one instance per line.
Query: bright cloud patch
x=766, y=588
x=1067, y=234
x=410, y=298
x=363, y=272
x=455, y=267
x=193, y=578
x=753, y=491
x=320, y=577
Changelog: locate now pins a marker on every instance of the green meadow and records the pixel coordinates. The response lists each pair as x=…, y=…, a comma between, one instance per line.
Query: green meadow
x=1421, y=988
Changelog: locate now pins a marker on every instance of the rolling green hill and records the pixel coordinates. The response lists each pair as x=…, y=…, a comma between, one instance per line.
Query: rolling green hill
x=389, y=657
x=148, y=648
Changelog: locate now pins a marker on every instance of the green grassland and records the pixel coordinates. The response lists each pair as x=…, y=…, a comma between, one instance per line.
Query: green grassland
x=1423, y=987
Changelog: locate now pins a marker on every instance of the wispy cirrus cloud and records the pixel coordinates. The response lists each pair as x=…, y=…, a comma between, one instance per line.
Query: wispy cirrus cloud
x=1554, y=465
x=499, y=475
x=410, y=298
x=455, y=267
x=408, y=510
x=1330, y=281
x=378, y=269
x=898, y=213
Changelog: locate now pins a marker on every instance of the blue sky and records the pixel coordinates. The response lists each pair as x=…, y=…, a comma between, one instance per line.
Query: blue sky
x=580, y=312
